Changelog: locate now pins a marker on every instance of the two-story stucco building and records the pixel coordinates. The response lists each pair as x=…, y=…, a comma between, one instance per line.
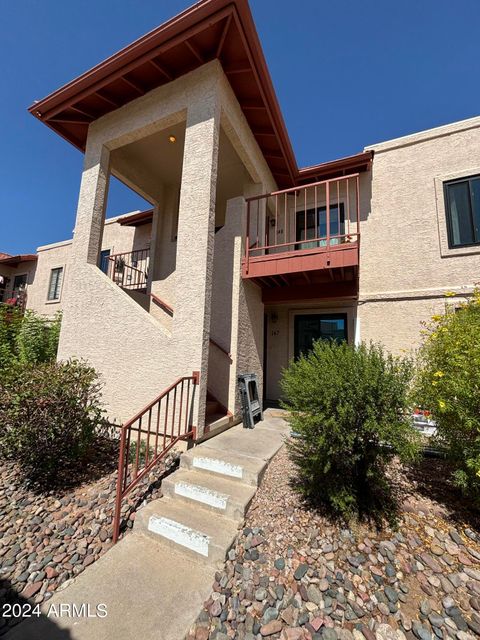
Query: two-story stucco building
x=245, y=258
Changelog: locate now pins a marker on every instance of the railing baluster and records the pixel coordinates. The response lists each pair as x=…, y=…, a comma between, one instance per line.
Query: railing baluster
x=180, y=411
x=159, y=404
x=348, y=206
x=174, y=411
x=187, y=417
x=247, y=239
x=358, y=205
x=305, y=212
x=327, y=198
x=258, y=220
x=276, y=218
x=166, y=419
x=148, y=437
x=338, y=207
x=127, y=462
x=137, y=453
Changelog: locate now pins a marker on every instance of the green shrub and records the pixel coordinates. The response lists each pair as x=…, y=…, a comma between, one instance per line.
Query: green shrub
x=50, y=414
x=349, y=411
x=37, y=338
x=448, y=384
x=28, y=338
x=10, y=320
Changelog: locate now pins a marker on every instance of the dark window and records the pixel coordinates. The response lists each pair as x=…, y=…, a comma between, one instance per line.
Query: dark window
x=313, y=224
x=312, y=327
x=462, y=202
x=55, y=285
x=104, y=261
x=19, y=284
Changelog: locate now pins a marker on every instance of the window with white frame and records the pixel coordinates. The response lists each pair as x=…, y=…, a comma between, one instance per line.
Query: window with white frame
x=55, y=285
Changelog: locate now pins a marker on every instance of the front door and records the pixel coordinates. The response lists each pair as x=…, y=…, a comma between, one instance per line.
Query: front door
x=318, y=326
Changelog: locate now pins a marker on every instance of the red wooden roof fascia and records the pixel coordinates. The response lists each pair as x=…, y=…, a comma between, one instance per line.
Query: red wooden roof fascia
x=15, y=260
x=235, y=19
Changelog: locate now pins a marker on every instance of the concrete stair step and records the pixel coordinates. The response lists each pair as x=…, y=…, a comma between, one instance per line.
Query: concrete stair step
x=221, y=495
x=200, y=533
x=235, y=466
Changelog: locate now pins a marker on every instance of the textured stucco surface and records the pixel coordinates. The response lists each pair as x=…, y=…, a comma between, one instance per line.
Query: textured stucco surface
x=116, y=238
x=405, y=265
x=140, y=353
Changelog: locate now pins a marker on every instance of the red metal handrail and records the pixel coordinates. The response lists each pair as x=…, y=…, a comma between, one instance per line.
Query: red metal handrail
x=166, y=307
x=129, y=269
x=156, y=429
x=161, y=303
x=276, y=220
x=219, y=346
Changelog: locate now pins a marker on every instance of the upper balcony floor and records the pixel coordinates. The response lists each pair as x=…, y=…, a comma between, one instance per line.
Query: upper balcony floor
x=306, y=237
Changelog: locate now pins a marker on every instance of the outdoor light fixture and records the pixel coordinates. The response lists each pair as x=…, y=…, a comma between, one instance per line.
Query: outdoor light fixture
x=172, y=138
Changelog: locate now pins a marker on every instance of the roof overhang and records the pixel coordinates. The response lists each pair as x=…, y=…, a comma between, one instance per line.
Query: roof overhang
x=14, y=261
x=211, y=29
x=343, y=166
x=222, y=29
x=136, y=219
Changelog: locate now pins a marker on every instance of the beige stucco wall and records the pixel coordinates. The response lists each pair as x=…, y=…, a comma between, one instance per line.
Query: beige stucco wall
x=134, y=352
x=405, y=263
x=406, y=266
x=116, y=238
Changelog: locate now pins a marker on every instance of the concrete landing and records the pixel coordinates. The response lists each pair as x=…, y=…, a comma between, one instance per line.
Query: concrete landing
x=153, y=582
x=144, y=589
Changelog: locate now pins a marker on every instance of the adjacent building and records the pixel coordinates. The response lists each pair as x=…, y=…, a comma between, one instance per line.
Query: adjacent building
x=244, y=258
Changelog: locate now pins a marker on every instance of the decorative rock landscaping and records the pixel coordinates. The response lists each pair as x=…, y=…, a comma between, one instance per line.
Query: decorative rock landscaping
x=296, y=576
x=48, y=538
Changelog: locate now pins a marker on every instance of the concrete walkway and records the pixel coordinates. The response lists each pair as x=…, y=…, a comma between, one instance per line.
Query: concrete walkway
x=154, y=581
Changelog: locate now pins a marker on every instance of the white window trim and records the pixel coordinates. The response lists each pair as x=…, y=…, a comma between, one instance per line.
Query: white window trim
x=445, y=250
x=57, y=300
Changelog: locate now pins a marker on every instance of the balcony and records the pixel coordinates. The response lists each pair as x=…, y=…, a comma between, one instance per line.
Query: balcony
x=129, y=270
x=304, y=242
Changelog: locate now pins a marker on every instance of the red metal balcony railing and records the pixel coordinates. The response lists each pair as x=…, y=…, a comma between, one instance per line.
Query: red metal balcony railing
x=130, y=269
x=290, y=230
x=149, y=436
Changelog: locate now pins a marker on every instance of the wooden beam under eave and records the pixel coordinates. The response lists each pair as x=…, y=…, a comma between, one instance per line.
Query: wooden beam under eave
x=253, y=106
x=221, y=42
x=69, y=121
x=163, y=70
x=195, y=51
x=113, y=103
x=264, y=132
x=83, y=112
x=133, y=85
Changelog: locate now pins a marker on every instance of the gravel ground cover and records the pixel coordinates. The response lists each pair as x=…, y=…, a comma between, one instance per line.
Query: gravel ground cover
x=293, y=574
x=48, y=538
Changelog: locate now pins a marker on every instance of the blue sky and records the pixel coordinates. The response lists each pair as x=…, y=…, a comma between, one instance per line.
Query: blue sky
x=347, y=74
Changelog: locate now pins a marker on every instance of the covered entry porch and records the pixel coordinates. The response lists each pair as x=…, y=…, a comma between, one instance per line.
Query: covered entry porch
x=291, y=329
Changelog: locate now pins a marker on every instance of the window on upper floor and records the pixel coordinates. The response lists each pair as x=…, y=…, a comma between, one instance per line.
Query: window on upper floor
x=55, y=286
x=462, y=204
x=104, y=261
